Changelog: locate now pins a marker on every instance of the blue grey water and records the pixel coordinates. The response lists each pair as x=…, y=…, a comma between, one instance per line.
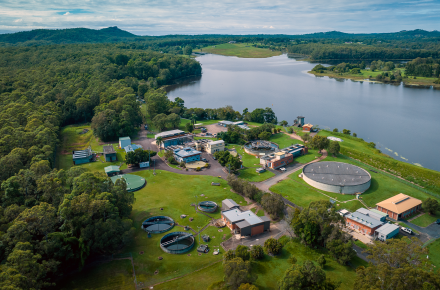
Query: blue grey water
x=403, y=122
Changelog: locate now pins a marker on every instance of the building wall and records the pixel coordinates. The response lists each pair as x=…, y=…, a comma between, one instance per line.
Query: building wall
x=82, y=160
x=124, y=143
x=396, y=216
x=188, y=159
x=352, y=189
x=257, y=230
x=229, y=224
x=211, y=149
x=360, y=227
x=278, y=163
x=390, y=235
x=306, y=128
x=110, y=157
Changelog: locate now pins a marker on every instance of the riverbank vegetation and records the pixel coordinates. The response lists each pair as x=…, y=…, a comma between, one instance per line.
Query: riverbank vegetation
x=420, y=71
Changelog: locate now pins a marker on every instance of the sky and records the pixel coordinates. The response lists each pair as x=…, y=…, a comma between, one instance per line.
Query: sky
x=162, y=17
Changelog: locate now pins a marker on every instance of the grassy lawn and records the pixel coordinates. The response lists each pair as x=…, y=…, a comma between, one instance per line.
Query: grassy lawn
x=434, y=253
x=241, y=50
x=251, y=163
x=174, y=193
x=300, y=193
x=425, y=220
x=271, y=269
x=361, y=245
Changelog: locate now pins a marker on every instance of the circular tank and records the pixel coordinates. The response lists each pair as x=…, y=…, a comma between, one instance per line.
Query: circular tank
x=207, y=206
x=177, y=242
x=337, y=177
x=158, y=224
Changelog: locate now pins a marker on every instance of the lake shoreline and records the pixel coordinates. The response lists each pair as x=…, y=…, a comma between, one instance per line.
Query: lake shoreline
x=407, y=82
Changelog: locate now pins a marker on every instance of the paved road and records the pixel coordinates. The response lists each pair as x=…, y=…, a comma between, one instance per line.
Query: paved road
x=430, y=232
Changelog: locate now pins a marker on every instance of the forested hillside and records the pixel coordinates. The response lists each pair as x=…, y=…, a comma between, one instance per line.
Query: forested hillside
x=52, y=220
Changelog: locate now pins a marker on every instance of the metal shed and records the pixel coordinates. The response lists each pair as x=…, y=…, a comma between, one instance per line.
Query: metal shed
x=111, y=170
x=124, y=142
x=109, y=153
x=228, y=204
x=82, y=156
x=387, y=231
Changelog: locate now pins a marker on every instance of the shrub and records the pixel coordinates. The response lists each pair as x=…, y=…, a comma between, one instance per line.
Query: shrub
x=321, y=261
x=242, y=252
x=273, y=204
x=335, y=130
x=272, y=246
x=182, y=164
x=290, y=130
x=229, y=255
x=206, y=165
x=355, y=135
x=292, y=260
x=198, y=169
x=257, y=252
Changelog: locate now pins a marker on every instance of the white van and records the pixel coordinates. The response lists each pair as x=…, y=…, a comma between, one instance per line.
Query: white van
x=406, y=230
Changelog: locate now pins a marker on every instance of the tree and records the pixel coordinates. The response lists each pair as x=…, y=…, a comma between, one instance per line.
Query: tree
x=319, y=142
x=242, y=252
x=159, y=142
x=160, y=121
x=355, y=135
x=273, y=203
x=234, y=162
x=334, y=148
x=264, y=136
x=321, y=261
x=238, y=272
x=189, y=127
x=229, y=255
x=335, y=130
x=187, y=50
x=306, y=137
x=247, y=286
x=306, y=276
x=290, y=130
x=431, y=205
x=272, y=246
x=284, y=123
x=257, y=252
x=174, y=120
x=157, y=103
x=397, y=264
x=345, y=131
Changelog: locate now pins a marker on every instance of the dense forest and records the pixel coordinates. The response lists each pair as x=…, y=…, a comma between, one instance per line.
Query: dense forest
x=52, y=220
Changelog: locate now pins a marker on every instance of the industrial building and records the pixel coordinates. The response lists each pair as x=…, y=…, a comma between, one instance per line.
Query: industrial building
x=245, y=223
x=362, y=223
x=83, y=156
x=225, y=123
x=173, y=137
x=112, y=170
x=337, y=177
x=215, y=146
x=229, y=204
x=372, y=214
x=240, y=124
x=307, y=127
x=299, y=121
x=387, y=231
x=187, y=154
x=124, y=141
x=109, y=153
x=283, y=157
x=399, y=206
x=132, y=147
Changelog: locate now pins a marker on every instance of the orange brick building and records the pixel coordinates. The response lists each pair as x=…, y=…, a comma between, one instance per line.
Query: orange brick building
x=399, y=206
x=281, y=159
x=362, y=223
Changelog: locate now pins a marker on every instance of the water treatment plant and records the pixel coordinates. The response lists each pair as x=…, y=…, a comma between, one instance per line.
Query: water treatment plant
x=337, y=177
x=177, y=242
x=133, y=182
x=207, y=206
x=158, y=224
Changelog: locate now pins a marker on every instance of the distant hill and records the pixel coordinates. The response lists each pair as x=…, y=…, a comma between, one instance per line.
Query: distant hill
x=404, y=34
x=72, y=35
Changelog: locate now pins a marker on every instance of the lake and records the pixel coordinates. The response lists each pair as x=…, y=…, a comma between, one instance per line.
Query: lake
x=403, y=122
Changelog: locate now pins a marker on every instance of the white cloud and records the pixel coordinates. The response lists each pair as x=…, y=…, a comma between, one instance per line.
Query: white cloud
x=158, y=17
x=18, y=20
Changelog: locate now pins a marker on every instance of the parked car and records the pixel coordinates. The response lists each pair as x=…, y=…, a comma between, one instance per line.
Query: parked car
x=406, y=230
x=213, y=156
x=204, y=160
x=437, y=221
x=283, y=169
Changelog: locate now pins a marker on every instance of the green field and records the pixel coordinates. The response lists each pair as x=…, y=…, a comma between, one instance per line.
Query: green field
x=174, y=193
x=382, y=187
x=425, y=220
x=244, y=50
x=434, y=253
x=271, y=269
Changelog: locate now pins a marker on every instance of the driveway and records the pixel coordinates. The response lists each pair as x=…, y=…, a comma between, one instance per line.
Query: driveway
x=430, y=232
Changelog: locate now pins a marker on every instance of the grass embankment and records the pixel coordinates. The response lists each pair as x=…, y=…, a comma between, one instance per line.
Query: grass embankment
x=434, y=253
x=244, y=50
x=174, y=193
x=366, y=74
x=426, y=219
x=270, y=270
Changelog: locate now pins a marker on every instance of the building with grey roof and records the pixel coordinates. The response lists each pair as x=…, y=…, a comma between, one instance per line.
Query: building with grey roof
x=82, y=156
x=387, y=231
x=372, y=214
x=173, y=137
x=362, y=223
x=228, y=204
x=187, y=154
x=245, y=223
